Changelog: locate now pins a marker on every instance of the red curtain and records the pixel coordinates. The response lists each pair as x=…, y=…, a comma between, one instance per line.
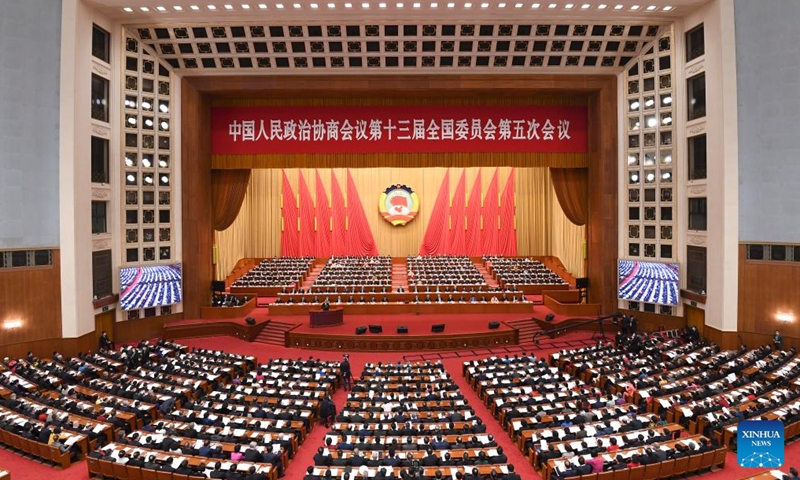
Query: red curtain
x=472, y=239
x=457, y=211
x=491, y=212
x=323, y=220
x=308, y=234
x=339, y=217
x=228, y=188
x=572, y=190
x=508, y=230
x=359, y=239
x=435, y=241
x=290, y=214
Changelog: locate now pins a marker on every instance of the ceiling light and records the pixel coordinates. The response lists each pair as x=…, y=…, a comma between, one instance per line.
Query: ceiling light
x=195, y=8
x=164, y=179
x=535, y=5
x=650, y=177
x=331, y=5
x=162, y=163
x=161, y=9
x=651, y=8
x=381, y=5
x=666, y=100
x=228, y=7
x=130, y=178
x=666, y=120
x=212, y=7
x=568, y=6
x=668, y=159
x=780, y=316
x=467, y=5
x=651, y=122
x=451, y=5
x=314, y=6
x=296, y=6
x=635, y=7
x=144, y=9
x=365, y=5
x=127, y=9
x=667, y=8
x=434, y=5
x=631, y=160
x=585, y=6
x=501, y=5
x=148, y=122
x=666, y=175
x=148, y=179
x=178, y=8
x=164, y=125
x=262, y=6
x=348, y=5
x=484, y=5
x=129, y=163
x=552, y=5
x=634, y=105
x=649, y=102
x=145, y=104
x=400, y=5
x=619, y=7
x=146, y=162
x=602, y=6
x=416, y=5
x=635, y=177
x=279, y=6
x=132, y=120
x=245, y=6
x=518, y=5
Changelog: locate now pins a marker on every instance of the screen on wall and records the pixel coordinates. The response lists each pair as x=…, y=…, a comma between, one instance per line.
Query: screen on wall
x=649, y=282
x=145, y=287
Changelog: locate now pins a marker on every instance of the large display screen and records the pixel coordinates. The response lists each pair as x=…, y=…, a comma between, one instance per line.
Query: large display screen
x=649, y=282
x=145, y=287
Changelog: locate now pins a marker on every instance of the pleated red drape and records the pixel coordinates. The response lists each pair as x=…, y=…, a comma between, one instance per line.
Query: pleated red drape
x=472, y=239
x=456, y=235
x=508, y=231
x=572, y=190
x=491, y=212
x=323, y=220
x=290, y=244
x=360, y=241
x=339, y=217
x=435, y=240
x=308, y=234
x=228, y=188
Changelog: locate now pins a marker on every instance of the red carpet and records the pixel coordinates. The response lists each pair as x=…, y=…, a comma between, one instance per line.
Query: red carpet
x=26, y=469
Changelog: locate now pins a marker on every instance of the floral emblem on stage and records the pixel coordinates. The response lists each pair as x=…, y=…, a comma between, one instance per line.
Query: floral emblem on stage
x=398, y=204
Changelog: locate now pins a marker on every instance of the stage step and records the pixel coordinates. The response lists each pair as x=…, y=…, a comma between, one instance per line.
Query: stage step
x=400, y=274
x=312, y=276
x=486, y=275
x=274, y=333
x=526, y=328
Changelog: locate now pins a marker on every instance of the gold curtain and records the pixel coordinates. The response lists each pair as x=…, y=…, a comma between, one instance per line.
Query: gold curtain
x=542, y=228
x=572, y=190
x=228, y=188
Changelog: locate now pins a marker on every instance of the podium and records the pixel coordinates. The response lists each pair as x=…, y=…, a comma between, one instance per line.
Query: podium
x=326, y=318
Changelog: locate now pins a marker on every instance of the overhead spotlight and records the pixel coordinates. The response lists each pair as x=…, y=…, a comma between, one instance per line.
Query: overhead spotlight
x=569, y=6
x=585, y=6
x=130, y=178
x=178, y=8
x=668, y=159
x=127, y=9
x=666, y=120
x=194, y=7
x=262, y=6
x=666, y=175
x=381, y=5
x=400, y=5
x=535, y=5
x=228, y=7
x=517, y=5
x=128, y=161
x=484, y=5
x=651, y=8
x=132, y=120
x=146, y=105
x=451, y=5
x=148, y=179
x=666, y=100
x=245, y=6
x=649, y=102
x=146, y=162
x=211, y=7
x=296, y=6
x=552, y=5
x=434, y=5
x=416, y=5
x=501, y=5
x=631, y=160
x=144, y=9
x=164, y=179
x=650, y=177
x=163, y=163
x=164, y=108
x=634, y=177
x=148, y=122
x=161, y=9
x=602, y=6
x=634, y=105
x=635, y=7
x=348, y=5
x=467, y=5
x=279, y=6
x=651, y=122
x=164, y=125
x=619, y=7
x=331, y=5
x=667, y=8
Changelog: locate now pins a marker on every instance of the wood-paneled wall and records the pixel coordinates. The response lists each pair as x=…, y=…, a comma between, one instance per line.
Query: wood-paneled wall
x=32, y=295
x=198, y=235
x=650, y=322
x=143, y=328
x=765, y=289
x=599, y=91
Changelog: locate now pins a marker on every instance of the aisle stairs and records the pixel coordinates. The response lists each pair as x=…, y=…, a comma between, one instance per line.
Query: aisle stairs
x=316, y=269
x=490, y=280
x=399, y=273
x=274, y=333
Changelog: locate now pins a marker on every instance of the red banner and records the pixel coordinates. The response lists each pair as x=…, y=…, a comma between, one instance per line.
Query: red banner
x=420, y=129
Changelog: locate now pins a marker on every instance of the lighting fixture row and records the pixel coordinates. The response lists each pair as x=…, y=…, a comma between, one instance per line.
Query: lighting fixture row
x=382, y=5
